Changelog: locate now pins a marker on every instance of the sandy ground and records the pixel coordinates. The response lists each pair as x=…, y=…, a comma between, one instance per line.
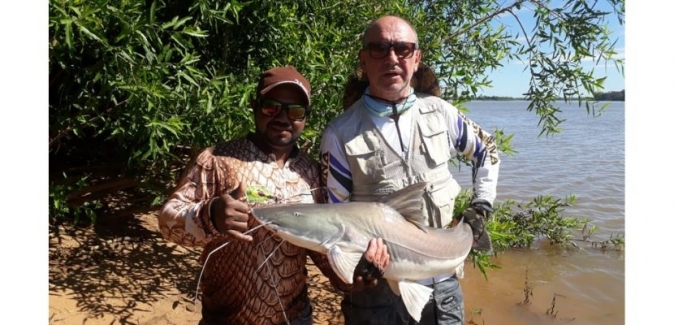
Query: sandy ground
x=124, y=272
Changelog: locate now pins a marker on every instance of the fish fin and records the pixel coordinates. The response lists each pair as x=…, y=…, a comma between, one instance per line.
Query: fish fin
x=415, y=296
x=394, y=286
x=343, y=262
x=408, y=202
x=459, y=271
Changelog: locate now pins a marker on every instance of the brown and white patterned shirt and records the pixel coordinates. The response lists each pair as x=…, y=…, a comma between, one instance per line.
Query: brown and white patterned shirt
x=238, y=286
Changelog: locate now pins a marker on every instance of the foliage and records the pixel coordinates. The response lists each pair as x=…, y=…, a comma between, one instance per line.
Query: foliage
x=138, y=87
x=541, y=217
x=59, y=201
x=130, y=88
x=521, y=224
x=564, y=36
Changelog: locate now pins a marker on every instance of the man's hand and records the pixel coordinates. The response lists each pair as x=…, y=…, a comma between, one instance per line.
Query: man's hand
x=230, y=213
x=475, y=216
x=372, y=265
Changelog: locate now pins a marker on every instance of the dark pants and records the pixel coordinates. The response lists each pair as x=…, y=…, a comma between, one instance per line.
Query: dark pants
x=306, y=318
x=380, y=305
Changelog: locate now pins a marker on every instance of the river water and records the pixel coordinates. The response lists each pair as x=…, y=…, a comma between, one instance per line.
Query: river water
x=587, y=159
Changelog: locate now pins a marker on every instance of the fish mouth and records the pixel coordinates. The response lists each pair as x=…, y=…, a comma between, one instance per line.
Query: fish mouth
x=266, y=224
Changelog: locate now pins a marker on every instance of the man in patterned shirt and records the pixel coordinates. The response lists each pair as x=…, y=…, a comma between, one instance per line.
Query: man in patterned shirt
x=211, y=206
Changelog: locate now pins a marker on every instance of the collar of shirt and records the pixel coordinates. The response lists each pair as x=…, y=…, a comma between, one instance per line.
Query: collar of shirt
x=379, y=108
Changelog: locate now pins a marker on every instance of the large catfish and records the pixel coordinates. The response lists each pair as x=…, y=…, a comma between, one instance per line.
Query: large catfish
x=342, y=232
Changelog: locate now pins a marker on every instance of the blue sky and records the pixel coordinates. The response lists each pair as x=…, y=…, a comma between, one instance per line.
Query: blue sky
x=511, y=80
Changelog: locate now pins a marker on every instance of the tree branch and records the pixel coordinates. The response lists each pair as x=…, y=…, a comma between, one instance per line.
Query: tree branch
x=486, y=18
x=67, y=130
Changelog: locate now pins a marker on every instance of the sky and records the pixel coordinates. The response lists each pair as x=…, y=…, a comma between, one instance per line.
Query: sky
x=512, y=81
x=24, y=142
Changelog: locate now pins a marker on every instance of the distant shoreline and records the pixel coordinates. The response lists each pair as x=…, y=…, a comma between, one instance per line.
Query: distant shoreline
x=489, y=98
x=610, y=96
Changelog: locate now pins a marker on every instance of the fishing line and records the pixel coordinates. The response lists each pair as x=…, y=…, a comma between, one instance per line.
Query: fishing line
x=271, y=275
x=269, y=256
x=287, y=199
x=278, y=296
x=196, y=296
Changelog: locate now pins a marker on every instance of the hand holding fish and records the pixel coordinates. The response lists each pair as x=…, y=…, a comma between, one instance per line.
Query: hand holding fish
x=377, y=254
x=230, y=212
x=475, y=216
x=372, y=266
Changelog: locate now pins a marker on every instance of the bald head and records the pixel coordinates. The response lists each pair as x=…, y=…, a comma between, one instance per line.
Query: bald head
x=389, y=23
x=389, y=57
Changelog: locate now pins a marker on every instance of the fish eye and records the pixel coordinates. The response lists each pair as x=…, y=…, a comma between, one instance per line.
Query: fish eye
x=297, y=214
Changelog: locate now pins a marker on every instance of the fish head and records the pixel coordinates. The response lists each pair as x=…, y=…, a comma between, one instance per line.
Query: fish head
x=304, y=225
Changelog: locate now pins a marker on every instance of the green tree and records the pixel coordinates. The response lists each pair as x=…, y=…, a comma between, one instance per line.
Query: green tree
x=137, y=87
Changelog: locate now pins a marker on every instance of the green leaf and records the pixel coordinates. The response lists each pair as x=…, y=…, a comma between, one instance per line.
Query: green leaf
x=196, y=33
x=69, y=35
x=91, y=34
x=153, y=12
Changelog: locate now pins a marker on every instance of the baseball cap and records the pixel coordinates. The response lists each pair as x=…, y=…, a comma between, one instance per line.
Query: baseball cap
x=283, y=75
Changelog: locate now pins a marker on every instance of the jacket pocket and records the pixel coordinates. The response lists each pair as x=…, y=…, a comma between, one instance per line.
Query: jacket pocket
x=366, y=158
x=435, y=145
x=442, y=197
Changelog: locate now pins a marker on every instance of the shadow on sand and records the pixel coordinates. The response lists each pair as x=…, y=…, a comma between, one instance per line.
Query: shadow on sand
x=119, y=266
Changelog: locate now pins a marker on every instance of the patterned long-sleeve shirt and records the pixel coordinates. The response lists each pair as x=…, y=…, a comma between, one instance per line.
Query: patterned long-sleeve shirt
x=245, y=282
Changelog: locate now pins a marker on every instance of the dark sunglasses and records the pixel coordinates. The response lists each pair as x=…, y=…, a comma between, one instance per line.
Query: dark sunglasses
x=403, y=50
x=271, y=108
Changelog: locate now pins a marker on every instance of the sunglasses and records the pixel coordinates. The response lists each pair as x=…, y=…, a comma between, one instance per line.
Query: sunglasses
x=403, y=50
x=271, y=108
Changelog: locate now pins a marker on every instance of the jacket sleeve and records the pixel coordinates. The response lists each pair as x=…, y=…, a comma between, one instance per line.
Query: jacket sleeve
x=336, y=184
x=335, y=172
x=478, y=147
x=185, y=217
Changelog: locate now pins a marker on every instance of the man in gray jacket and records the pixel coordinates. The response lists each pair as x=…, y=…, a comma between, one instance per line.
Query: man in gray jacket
x=393, y=137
